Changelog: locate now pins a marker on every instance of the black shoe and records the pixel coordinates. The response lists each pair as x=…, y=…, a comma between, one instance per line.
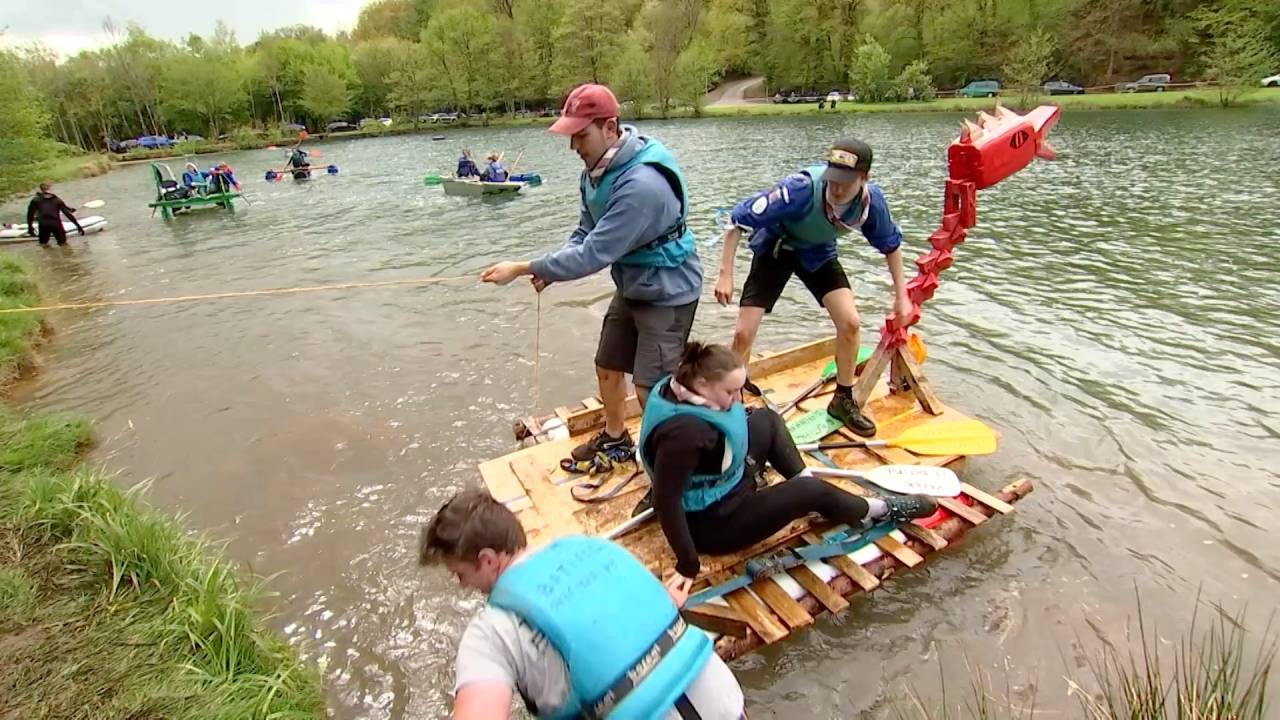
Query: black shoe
x=750, y=387
x=602, y=443
x=844, y=409
x=645, y=503
x=903, y=508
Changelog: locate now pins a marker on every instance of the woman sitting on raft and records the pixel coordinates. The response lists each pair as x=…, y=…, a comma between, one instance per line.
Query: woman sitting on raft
x=704, y=456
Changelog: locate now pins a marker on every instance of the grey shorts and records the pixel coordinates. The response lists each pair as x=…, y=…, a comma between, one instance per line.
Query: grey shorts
x=643, y=339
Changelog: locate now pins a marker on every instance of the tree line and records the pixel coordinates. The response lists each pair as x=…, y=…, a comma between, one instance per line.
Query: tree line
x=408, y=57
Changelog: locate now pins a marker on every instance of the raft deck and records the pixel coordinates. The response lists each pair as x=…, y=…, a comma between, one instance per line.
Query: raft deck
x=531, y=483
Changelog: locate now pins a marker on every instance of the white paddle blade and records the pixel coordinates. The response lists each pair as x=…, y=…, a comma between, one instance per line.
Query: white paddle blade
x=92, y=204
x=904, y=479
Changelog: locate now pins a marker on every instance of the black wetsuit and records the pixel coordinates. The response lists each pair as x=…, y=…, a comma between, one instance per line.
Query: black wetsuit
x=684, y=446
x=47, y=209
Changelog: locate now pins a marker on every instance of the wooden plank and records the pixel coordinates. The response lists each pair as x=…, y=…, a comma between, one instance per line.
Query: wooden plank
x=781, y=603
x=959, y=509
x=793, y=358
x=914, y=375
x=986, y=498
x=858, y=574
x=870, y=376
x=924, y=535
x=586, y=420
x=555, y=508
x=821, y=591
x=904, y=554
x=564, y=414
x=716, y=618
x=591, y=403
x=757, y=616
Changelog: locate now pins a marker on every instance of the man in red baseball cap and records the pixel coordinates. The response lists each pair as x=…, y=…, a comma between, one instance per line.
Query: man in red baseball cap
x=634, y=201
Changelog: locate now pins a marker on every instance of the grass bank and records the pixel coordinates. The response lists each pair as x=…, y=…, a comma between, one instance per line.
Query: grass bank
x=24, y=179
x=109, y=609
x=1106, y=101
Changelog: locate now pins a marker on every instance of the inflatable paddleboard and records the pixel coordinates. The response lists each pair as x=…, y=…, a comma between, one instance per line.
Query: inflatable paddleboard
x=17, y=232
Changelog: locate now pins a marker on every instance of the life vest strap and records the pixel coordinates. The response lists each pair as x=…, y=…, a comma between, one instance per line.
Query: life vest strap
x=671, y=235
x=632, y=678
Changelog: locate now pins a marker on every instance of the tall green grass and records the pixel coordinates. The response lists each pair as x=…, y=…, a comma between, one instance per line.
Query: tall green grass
x=109, y=609
x=1216, y=673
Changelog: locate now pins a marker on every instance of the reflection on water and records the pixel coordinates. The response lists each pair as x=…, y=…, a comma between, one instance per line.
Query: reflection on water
x=1115, y=315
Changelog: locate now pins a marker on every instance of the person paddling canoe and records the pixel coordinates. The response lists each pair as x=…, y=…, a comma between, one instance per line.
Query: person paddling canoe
x=578, y=627
x=794, y=227
x=634, y=201
x=705, y=456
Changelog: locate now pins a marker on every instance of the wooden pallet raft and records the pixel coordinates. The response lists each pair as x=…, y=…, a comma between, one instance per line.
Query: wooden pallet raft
x=531, y=483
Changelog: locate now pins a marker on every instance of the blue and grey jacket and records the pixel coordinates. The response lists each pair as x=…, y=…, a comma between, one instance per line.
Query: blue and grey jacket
x=642, y=206
x=771, y=215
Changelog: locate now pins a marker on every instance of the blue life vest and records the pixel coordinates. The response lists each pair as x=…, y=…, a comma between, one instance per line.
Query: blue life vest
x=814, y=228
x=675, y=245
x=629, y=653
x=703, y=490
x=495, y=173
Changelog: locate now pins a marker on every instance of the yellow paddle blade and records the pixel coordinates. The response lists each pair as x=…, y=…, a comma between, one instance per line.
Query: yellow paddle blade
x=955, y=437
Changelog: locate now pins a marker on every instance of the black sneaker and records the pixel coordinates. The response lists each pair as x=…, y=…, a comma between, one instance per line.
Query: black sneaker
x=602, y=443
x=844, y=409
x=645, y=503
x=903, y=508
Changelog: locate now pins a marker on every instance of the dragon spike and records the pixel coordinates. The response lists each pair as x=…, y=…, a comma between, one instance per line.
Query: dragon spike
x=975, y=130
x=987, y=120
x=964, y=133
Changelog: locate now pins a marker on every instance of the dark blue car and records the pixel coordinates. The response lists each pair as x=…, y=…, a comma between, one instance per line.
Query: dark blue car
x=151, y=142
x=1062, y=87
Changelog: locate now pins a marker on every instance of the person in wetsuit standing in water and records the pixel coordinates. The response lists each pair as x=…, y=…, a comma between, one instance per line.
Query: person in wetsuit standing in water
x=48, y=208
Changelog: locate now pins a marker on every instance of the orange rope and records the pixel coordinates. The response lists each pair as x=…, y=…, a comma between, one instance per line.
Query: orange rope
x=244, y=293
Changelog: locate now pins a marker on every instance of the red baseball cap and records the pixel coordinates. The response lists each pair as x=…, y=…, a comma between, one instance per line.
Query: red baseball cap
x=586, y=103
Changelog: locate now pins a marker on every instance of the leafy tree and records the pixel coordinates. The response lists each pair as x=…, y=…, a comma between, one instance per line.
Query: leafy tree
x=387, y=19
x=375, y=61
x=869, y=75
x=1028, y=66
x=630, y=78
x=1236, y=50
x=324, y=94
x=461, y=42
x=588, y=39
x=914, y=82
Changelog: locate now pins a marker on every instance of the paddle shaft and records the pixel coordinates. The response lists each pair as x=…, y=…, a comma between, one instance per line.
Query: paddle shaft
x=806, y=394
x=623, y=528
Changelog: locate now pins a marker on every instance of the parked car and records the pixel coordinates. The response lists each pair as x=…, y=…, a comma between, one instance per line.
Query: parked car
x=1158, y=82
x=1273, y=81
x=293, y=127
x=368, y=122
x=151, y=142
x=834, y=96
x=338, y=126
x=1062, y=87
x=444, y=118
x=980, y=88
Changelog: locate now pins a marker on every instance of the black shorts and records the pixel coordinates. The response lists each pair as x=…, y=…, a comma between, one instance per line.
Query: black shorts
x=769, y=275
x=643, y=339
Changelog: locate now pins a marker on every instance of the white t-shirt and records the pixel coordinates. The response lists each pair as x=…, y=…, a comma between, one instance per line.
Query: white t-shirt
x=499, y=647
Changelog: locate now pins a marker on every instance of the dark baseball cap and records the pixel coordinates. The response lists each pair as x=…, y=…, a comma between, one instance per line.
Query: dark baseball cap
x=847, y=155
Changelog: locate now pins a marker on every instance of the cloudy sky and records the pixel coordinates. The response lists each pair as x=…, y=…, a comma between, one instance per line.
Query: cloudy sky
x=67, y=26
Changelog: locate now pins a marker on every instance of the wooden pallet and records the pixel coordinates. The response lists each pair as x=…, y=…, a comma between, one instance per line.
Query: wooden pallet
x=531, y=483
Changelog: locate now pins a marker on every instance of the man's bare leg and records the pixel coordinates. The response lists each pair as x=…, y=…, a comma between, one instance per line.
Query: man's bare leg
x=844, y=315
x=613, y=394
x=744, y=333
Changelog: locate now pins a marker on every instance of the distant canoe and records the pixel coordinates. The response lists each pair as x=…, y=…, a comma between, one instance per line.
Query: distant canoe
x=476, y=188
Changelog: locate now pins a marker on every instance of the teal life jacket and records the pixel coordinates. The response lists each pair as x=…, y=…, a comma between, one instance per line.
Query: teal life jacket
x=814, y=228
x=675, y=245
x=703, y=490
x=630, y=655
